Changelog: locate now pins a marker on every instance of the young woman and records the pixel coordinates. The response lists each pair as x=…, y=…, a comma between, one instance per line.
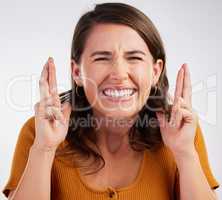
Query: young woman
x=138, y=143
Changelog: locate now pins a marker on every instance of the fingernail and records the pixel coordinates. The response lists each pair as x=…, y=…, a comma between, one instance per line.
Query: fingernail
x=50, y=59
x=185, y=65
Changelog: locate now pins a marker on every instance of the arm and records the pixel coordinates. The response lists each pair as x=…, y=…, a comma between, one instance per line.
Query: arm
x=178, y=134
x=51, y=125
x=35, y=181
x=193, y=182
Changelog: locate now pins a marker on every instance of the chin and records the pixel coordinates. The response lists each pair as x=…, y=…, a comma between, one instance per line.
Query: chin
x=120, y=114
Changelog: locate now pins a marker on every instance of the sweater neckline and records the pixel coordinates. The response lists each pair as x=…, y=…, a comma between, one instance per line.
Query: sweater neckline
x=130, y=186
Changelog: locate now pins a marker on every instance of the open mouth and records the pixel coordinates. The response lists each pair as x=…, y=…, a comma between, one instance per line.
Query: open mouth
x=119, y=94
x=116, y=93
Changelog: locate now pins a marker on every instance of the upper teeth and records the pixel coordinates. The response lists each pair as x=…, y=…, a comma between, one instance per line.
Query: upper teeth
x=118, y=93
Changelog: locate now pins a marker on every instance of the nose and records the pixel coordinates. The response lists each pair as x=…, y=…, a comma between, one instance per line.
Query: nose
x=119, y=70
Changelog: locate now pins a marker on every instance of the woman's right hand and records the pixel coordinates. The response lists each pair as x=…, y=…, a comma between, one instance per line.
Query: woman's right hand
x=51, y=118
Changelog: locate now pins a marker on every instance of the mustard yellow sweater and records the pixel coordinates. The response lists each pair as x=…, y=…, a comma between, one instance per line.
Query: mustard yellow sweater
x=157, y=179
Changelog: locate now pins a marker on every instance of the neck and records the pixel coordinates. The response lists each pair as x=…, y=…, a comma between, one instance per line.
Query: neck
x=112, y=135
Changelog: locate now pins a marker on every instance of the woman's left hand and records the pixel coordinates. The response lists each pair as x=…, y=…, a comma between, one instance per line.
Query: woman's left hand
x=178, y=134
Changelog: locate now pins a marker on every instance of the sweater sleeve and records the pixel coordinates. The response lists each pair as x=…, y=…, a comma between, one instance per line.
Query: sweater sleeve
x=203, y=156
x=21, y=153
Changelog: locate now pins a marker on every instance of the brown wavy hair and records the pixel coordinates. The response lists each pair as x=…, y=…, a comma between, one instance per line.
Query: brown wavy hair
x=82, y=140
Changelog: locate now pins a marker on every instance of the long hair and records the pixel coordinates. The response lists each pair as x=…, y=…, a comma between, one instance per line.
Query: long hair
x=82, y=140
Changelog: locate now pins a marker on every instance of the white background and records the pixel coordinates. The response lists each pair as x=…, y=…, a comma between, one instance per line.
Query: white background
x=30, y=31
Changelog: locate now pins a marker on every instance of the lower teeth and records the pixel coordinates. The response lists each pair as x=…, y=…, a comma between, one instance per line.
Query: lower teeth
x=119, y=96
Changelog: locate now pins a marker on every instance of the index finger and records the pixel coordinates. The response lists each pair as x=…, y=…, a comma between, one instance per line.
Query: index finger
x=43, y=83
x=187, y=88
x=179, y=84
x=52, y=77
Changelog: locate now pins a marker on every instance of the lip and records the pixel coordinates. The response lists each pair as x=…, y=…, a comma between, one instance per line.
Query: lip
x=118, y=87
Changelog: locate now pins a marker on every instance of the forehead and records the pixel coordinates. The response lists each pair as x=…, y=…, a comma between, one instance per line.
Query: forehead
x=114, y=37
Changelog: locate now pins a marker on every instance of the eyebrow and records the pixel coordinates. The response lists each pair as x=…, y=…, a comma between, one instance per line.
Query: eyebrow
x=108, y=53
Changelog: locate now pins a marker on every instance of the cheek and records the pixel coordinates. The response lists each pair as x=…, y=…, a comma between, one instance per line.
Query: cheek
x=90, y=87
x=143, y=77
x=91, y=84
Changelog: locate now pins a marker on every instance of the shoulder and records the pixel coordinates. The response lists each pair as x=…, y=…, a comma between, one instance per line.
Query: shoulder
x=29, y=125
x=27, y=131
x=30, y=122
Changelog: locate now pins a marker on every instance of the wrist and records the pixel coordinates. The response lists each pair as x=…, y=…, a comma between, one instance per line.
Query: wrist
x=184, y=153
x=41, y=160
x=43, y=148
x=186, y=157
x=40, y=150
x=42, y=155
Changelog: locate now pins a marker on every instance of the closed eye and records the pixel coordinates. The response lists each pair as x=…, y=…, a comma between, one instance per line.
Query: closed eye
x=98, y=59
x=135, y=58
x=130, y=58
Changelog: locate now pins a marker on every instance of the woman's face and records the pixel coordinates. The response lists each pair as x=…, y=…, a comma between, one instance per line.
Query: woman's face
x=117, y=71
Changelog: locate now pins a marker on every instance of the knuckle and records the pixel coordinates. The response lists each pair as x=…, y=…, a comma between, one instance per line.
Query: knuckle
x=56, y=99
x=55, y=95
x=36, y=106
x=47, y=99
x=41, y=81
x=181, y=100
x=54, y=90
